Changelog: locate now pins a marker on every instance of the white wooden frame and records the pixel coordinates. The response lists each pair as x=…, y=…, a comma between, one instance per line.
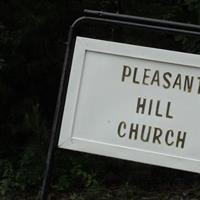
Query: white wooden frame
x=68, y=139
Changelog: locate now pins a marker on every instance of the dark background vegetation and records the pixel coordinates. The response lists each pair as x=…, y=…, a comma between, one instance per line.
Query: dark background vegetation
x=32, y=48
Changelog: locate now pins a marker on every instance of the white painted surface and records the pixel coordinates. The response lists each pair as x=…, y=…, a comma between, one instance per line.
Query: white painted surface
x=98, y=100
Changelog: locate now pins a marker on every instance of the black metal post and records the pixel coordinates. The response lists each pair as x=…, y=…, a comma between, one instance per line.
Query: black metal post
x=108, y=18
x=57, y=120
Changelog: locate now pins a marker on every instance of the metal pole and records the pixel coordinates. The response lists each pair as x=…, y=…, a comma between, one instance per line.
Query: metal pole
x=57, y=120
x=142, y=20
x=170, y=29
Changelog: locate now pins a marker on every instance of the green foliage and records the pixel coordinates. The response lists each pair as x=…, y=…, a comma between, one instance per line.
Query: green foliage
x=79, y=173
x=6, y=182
x=24, y=171
x=127, y=191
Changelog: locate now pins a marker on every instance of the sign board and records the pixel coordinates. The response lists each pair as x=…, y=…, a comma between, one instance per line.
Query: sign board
x=134, y=103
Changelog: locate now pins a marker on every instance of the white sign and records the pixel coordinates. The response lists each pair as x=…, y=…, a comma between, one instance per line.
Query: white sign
x=135, y=103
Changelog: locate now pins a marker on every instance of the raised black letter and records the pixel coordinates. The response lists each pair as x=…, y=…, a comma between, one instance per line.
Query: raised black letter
x=157, y=135
x=133, y=130
x=168, y=108
x=141, y=105
x=148, y=134
x=167, y=79
x=188, y=83
x=145, y=76
x=156, y=78
x=171, y=133
x=120, y=127
x=180, y=139
x=126, y=72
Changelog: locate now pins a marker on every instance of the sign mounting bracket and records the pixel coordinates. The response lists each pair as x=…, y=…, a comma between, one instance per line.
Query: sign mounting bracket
x=104, y=18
